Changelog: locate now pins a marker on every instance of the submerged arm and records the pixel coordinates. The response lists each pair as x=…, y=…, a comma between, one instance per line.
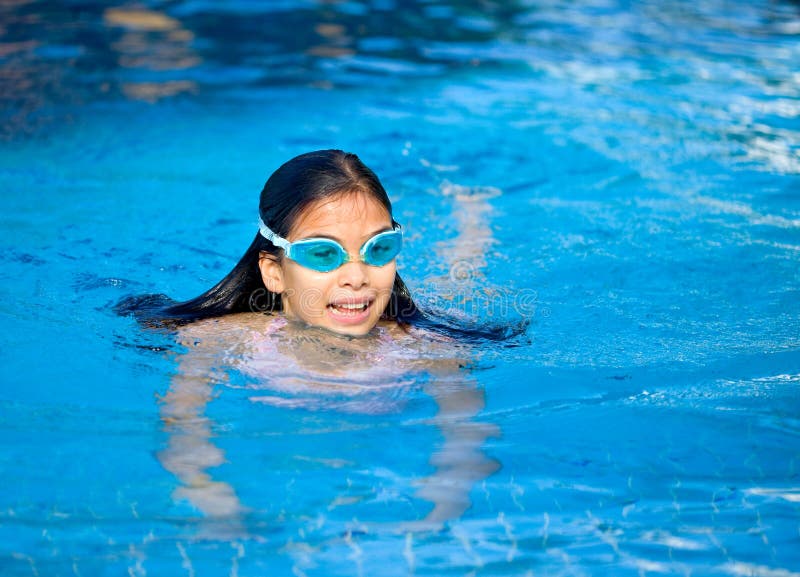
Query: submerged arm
x=190, y=452
x=460, y=461
x=465, y=254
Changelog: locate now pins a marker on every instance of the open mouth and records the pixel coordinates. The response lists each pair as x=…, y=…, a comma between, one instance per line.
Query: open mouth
x=350, y=310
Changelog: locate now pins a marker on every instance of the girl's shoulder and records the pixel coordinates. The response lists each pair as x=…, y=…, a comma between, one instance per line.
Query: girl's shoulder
x=228, y=329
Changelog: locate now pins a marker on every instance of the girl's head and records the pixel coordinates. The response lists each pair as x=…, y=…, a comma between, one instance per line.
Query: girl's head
x=331, y=195
x=328, y=194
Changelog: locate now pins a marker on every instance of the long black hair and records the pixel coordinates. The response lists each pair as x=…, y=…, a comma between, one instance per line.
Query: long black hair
x=297, y=184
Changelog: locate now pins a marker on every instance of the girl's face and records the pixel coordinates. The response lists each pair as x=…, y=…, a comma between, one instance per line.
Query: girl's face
x=350, y=299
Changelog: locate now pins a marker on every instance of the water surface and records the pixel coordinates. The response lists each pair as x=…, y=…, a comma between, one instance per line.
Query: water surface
x=621, y=176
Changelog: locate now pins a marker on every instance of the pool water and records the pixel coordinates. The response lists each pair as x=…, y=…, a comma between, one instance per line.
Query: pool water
x=618, y=180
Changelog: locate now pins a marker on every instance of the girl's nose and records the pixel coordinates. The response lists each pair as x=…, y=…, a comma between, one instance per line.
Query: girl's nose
x=353, y=274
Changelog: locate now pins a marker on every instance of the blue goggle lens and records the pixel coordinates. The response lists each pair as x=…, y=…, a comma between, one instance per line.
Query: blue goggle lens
x=320, y=254
x=382, y=248
x=325, y=255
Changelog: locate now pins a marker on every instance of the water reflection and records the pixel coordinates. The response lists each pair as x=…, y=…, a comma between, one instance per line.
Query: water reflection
x=152, y=41
x=60, y=54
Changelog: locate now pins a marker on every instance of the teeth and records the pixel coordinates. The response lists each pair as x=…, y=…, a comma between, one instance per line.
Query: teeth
x=351, y=306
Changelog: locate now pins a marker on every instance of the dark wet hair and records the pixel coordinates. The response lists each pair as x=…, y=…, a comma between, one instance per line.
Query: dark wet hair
x=300, y=182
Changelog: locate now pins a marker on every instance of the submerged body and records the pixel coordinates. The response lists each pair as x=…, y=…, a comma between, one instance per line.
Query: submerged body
x=298, y=367
x=273, y=353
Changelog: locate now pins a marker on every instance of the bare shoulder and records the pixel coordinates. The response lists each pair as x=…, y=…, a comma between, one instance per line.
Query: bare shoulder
x=225, y=330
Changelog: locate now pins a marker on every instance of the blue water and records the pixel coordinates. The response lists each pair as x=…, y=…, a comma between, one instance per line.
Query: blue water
x=621, y=176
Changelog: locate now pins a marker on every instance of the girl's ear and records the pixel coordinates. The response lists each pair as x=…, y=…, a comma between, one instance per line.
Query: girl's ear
x=271, y=273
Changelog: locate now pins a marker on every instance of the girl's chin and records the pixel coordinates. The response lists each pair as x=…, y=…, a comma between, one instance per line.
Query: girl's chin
x=352, y=331
x=347, y=328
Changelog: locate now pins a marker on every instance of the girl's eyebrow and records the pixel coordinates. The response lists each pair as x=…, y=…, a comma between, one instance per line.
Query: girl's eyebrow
x=333, y=238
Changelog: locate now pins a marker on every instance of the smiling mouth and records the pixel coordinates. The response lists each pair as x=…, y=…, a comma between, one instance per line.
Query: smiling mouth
x=350, y=308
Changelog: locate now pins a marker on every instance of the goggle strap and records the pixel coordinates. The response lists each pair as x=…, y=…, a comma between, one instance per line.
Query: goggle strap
x=267, y=233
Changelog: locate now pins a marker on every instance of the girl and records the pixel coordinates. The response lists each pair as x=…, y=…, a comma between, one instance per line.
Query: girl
x=324, y=256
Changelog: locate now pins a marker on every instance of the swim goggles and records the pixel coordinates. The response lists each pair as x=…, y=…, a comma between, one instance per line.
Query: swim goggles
x=325, y=255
